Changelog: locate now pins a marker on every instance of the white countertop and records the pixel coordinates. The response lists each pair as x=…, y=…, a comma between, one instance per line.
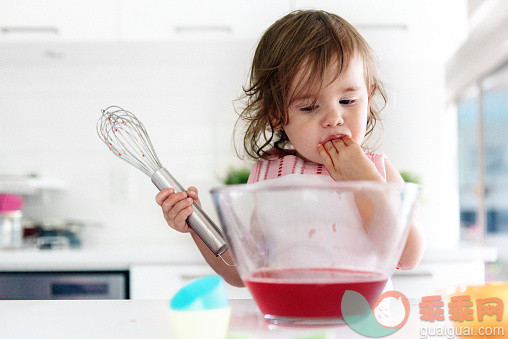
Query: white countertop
x=466, y=251
x=103, y=257
x=151, y=319
x=122, y=256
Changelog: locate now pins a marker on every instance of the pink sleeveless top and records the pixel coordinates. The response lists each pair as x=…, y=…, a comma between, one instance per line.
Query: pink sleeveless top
x=279, y=164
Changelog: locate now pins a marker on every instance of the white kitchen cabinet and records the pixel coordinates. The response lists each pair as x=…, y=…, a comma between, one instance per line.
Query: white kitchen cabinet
x=387, y=13
x=134, y=20
x=174, y=19
x=163, y=281
x=441, y=273
x=23, y=185
x=57, y=20
x=43, y=188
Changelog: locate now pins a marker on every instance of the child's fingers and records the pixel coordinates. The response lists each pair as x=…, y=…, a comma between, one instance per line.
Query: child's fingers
x=322, y=152
x=339, y=145
x=193, y=193
x=332, y=150
x=181, y=219
x=178, y=207
x=328, y=162
x=347, y=140
x=172, y=200
x=162, y=195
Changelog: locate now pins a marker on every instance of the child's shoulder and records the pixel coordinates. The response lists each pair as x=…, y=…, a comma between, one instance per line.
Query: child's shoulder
x=275, y=163
x=376, y=156
x=379, y=161
x=275, y=154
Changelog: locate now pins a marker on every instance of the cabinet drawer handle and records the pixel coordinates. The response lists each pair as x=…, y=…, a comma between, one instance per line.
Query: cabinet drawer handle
x=192, y=276
x=29, y=29
x=203, y=29
x=413, y=274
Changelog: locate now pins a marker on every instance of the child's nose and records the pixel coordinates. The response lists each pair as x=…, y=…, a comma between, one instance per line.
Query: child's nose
x=333, y=117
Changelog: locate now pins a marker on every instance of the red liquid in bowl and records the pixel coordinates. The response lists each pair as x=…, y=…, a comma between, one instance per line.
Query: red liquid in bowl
x=310, y=292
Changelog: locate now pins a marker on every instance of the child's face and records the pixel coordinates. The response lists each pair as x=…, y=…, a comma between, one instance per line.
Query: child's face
x=341, y=108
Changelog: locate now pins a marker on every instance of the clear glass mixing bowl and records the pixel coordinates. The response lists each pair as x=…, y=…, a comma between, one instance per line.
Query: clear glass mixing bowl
x=298, y=246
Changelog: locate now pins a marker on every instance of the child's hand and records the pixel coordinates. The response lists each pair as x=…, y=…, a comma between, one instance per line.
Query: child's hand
x=177, y=207
x=346, y=161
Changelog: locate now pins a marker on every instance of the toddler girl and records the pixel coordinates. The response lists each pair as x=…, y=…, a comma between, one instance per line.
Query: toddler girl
x=313, y=99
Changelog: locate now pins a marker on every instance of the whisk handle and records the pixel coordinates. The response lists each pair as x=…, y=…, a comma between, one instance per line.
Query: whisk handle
x=199, y=221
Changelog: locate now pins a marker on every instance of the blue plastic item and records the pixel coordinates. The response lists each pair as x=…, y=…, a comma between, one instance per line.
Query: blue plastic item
x=205, y=293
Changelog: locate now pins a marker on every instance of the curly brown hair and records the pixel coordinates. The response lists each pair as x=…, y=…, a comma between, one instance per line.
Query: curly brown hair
x=309, y=38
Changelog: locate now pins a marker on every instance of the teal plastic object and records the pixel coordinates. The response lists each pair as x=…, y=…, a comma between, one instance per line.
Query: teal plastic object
x=205, y=293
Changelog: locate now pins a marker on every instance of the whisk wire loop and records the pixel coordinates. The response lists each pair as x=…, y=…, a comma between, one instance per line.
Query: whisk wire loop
x=127, y=138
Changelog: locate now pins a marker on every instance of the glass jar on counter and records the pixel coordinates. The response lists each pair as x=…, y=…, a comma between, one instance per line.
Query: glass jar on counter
x=11, y=231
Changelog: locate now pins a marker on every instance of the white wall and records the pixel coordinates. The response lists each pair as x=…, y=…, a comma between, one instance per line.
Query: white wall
x=183, y=92
x=419, y=130
x=49, y=109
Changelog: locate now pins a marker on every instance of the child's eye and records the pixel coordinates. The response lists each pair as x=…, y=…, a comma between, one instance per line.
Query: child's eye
x=347, y=102
x=309, y=108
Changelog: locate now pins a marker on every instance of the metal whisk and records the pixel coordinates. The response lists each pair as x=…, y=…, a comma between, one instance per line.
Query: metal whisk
x=127, y=138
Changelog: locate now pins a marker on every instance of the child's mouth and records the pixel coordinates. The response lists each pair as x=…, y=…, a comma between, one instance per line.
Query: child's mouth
x=333, y=137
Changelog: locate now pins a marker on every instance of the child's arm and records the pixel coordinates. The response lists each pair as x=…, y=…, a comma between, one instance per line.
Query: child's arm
x=415, y=244
x=176, y=208
x=229, y=273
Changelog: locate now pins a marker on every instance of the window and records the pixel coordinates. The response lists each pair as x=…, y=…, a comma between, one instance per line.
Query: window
x=483, y=157
x=468, y=159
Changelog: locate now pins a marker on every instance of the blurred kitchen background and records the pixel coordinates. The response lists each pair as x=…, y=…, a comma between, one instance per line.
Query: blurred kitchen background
x=180, y=65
